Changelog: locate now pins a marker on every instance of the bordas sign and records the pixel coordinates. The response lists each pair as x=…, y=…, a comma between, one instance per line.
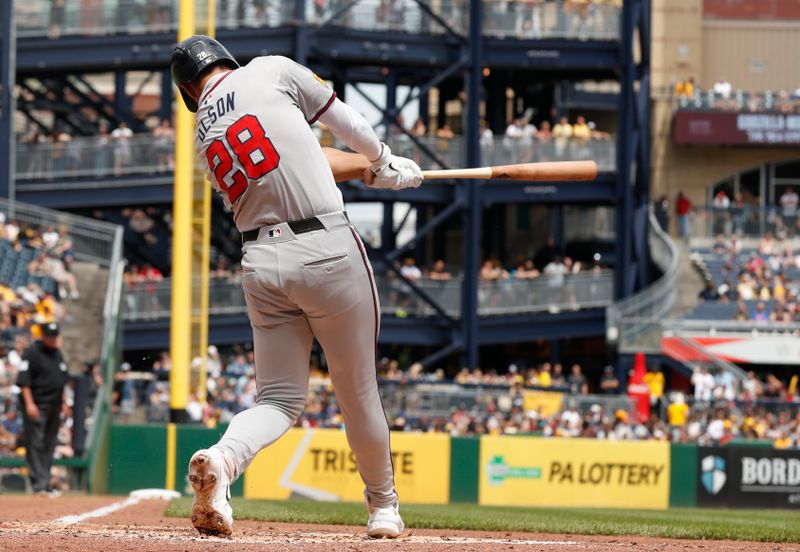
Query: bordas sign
x=748, y=477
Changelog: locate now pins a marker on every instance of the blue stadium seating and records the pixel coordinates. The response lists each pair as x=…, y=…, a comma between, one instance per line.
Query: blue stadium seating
x=14, y=269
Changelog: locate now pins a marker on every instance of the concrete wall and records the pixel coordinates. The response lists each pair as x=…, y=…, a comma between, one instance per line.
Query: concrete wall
x=751, y=55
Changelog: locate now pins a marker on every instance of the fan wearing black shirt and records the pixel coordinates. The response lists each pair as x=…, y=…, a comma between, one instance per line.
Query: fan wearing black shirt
x=43, y=374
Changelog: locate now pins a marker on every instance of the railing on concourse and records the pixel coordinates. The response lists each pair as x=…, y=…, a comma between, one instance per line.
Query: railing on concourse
x=519, y=20
x=151, y=300
x=748, y=221
x=100, y=157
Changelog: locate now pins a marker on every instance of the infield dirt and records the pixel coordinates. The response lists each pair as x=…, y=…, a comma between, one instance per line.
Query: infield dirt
x=29, y=523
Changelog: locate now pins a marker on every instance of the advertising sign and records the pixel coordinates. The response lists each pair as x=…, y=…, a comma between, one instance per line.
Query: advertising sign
x=732, y=128
x=318, y=464
x=532, y=471
x=748, y=477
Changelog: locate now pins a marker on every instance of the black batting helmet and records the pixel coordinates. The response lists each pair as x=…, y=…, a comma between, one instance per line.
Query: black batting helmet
x=193, y=56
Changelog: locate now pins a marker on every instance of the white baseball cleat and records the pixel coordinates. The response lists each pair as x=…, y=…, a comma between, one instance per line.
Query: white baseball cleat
x=385, y=522
x=211, y=512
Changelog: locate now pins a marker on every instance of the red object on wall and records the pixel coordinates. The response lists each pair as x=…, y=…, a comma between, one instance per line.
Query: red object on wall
x=638, y=390
x=751, y=9
x=723, y=128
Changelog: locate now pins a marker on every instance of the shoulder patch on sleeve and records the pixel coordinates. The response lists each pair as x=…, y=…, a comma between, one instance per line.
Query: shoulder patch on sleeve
x=23, y=366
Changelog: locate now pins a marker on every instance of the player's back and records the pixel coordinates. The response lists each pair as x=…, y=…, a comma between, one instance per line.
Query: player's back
x=254, y=136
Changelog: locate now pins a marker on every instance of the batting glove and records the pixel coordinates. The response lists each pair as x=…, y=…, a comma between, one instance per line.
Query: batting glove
x=393, y=172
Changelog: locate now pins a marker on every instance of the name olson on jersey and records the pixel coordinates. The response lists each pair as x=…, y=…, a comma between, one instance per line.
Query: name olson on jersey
x=215, y=110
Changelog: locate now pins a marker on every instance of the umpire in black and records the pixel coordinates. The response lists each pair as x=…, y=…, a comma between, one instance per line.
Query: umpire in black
x=43, y=374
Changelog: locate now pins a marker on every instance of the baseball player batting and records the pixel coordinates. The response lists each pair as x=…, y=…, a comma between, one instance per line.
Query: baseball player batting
x=305, y=272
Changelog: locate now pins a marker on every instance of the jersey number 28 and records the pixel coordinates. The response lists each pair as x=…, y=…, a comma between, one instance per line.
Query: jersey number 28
x=253, y=150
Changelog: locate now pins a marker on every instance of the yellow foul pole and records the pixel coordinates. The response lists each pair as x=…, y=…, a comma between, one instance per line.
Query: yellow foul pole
x=180, y=323
x=201, y=223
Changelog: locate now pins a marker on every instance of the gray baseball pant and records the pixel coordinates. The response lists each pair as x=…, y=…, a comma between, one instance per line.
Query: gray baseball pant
x=316, y=284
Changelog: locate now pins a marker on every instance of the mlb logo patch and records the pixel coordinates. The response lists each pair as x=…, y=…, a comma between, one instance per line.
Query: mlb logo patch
x=274, y=233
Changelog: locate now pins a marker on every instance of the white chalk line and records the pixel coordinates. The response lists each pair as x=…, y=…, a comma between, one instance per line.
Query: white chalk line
x=300, y=537
x=99, y=512
x=135, y=498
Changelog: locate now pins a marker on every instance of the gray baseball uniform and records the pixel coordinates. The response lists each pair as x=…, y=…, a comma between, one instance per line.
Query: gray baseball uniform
x=305, y=271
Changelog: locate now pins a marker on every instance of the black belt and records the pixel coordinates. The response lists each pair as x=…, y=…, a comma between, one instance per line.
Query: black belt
x=298, y=227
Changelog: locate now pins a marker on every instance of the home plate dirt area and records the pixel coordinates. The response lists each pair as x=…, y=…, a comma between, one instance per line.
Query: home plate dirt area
x=115, y=524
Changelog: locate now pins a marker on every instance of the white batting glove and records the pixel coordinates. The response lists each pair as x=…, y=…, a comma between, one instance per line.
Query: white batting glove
x=393, y=172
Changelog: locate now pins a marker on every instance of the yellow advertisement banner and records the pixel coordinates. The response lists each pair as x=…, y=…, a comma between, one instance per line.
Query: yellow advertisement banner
x=318, y=464
x=546, y=403
x=532, y=471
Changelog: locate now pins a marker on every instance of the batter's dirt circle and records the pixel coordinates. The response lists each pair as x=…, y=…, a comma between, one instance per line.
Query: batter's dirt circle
x=30, y=523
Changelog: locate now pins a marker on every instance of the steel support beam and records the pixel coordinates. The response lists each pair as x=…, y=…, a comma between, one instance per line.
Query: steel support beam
x=472, y=192
x=8, y=59
x=633, y=153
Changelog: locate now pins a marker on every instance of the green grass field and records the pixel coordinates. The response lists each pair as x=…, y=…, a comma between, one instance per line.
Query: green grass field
x=753, y=525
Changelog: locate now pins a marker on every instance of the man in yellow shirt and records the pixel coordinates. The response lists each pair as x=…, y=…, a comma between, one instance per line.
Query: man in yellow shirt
x=654, y=380
x=562, y=133
x=677, y=415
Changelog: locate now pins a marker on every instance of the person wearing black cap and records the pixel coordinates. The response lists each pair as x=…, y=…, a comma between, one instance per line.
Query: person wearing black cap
x=43, y=374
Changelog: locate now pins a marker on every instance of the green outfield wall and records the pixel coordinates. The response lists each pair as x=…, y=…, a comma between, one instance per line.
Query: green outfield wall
x=437, y=469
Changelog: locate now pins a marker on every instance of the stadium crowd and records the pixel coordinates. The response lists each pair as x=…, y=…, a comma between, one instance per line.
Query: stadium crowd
x=722, y=96
x=475, y=402
x=35, y=281
x=764, y=277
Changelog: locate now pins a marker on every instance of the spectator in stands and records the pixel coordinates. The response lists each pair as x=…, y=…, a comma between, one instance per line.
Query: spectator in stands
x=789, y=201
x=103, y=150
x=556, y=270
x=439, y=272
x=723, y=89
x=121, y=137
x=760, y=313
x=685, y=89
x=581, y=134
x=529, y=19
x=609, y=384
x=526, y=271
x=741, y=312
x=47, y=265
x=164, y=142
x=445, y=132
x=721, y=204
x=677, y=414
x=545, y=134
x=492, y=270
x=703, y=383
x=682, y=209
x=577, y=381
x=558, y=379
x=410, y=270
x=662, y=212
x=654, y=379
x=710, y=293
x=562, y=134
x=418, y=129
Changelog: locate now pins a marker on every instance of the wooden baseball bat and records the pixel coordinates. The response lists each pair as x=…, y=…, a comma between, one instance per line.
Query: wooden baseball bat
x=548, y=171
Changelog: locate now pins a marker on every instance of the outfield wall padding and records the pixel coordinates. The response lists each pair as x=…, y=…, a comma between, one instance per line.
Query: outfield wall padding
x=683, y=476
x=137, y=458
x=464, y=467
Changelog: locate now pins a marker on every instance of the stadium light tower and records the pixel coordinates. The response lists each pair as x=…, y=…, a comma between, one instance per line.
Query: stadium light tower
x=8, y=57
